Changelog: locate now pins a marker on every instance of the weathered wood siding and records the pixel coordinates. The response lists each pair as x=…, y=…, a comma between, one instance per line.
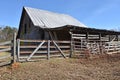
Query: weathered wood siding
x=29, y=31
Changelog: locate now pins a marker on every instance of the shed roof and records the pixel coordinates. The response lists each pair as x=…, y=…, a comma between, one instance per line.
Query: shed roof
x=46, y=19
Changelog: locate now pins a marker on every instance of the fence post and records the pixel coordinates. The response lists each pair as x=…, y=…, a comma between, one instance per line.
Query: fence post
x=14, y=48
x=18, y=49
x=48, y=50
x=71, y=46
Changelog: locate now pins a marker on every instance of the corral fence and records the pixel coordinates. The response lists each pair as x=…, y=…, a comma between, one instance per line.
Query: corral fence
x=32, y=50
x=93, y=44
x=112, y=47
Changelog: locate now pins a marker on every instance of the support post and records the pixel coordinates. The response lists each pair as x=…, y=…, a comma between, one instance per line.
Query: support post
x=14, y=48
x=100, y=37
x=18, y=49
x=117, y=38
x=109, y=38
x=71, y=45
x=100, y=44
x=87, y=36
x=81, y=44
x=48, y=50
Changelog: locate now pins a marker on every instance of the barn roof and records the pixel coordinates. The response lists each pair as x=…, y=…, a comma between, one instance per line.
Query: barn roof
x=47, y=19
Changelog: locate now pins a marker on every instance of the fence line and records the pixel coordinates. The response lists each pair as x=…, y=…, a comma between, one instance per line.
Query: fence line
x=27, y=50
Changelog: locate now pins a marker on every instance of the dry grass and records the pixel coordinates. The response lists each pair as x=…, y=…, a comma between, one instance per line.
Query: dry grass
x=102, y=68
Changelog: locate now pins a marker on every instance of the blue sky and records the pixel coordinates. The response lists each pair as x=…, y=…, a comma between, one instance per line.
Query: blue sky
x=102, y=14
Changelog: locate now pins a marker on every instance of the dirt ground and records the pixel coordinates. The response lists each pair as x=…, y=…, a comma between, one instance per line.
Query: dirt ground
x=100, y=68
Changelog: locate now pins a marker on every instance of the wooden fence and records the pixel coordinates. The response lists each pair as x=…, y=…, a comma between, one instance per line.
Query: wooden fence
x=112, y=47
x=94, y=44
x=5, y=53
x=27, y=50
x=30, y=50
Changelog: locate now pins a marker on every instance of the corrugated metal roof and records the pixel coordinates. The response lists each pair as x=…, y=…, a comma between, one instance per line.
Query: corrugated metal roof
x=46, y=19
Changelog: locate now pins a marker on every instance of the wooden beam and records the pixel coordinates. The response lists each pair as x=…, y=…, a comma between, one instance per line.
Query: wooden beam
x=48, y=50
x=14, y=48
x=109, y=38
x=5, y=50
x=117, y=38
x=100, y=36
x=18, y=49
x=71, y=45
x=100, y=46
x=59, y=49
x=5, y=43
x=87, y=36
x=35, y=50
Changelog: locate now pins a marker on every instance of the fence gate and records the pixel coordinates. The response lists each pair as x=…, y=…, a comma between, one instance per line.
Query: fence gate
x=82, y=45
x=78, y=44
x=32, y=50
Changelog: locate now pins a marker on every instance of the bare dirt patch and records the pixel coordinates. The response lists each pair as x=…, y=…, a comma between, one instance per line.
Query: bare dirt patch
x=104, y=67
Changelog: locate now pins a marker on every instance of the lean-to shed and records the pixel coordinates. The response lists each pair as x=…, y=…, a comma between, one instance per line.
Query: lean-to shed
x=40, y=24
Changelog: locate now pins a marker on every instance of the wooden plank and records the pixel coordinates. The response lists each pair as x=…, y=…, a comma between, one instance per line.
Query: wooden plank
x=5, y=43
x=44, y=40
x=30, y=40
x=63, y=42
x=48, y=50
x=5, y=47
x=5, y=63
x=4, y=57
x=4, y=50
x=93, y=35
x=43, y=56
x=44, y=46
x=113, y=52
x=42, y=52
x=67, y=55
x=78, y=35
x=78, y=45
x=35, y=50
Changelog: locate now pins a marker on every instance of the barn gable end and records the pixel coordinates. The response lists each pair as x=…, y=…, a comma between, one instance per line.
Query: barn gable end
x=35, y=23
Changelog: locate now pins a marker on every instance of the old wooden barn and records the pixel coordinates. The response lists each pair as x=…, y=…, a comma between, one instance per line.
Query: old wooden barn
x=44, y=33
